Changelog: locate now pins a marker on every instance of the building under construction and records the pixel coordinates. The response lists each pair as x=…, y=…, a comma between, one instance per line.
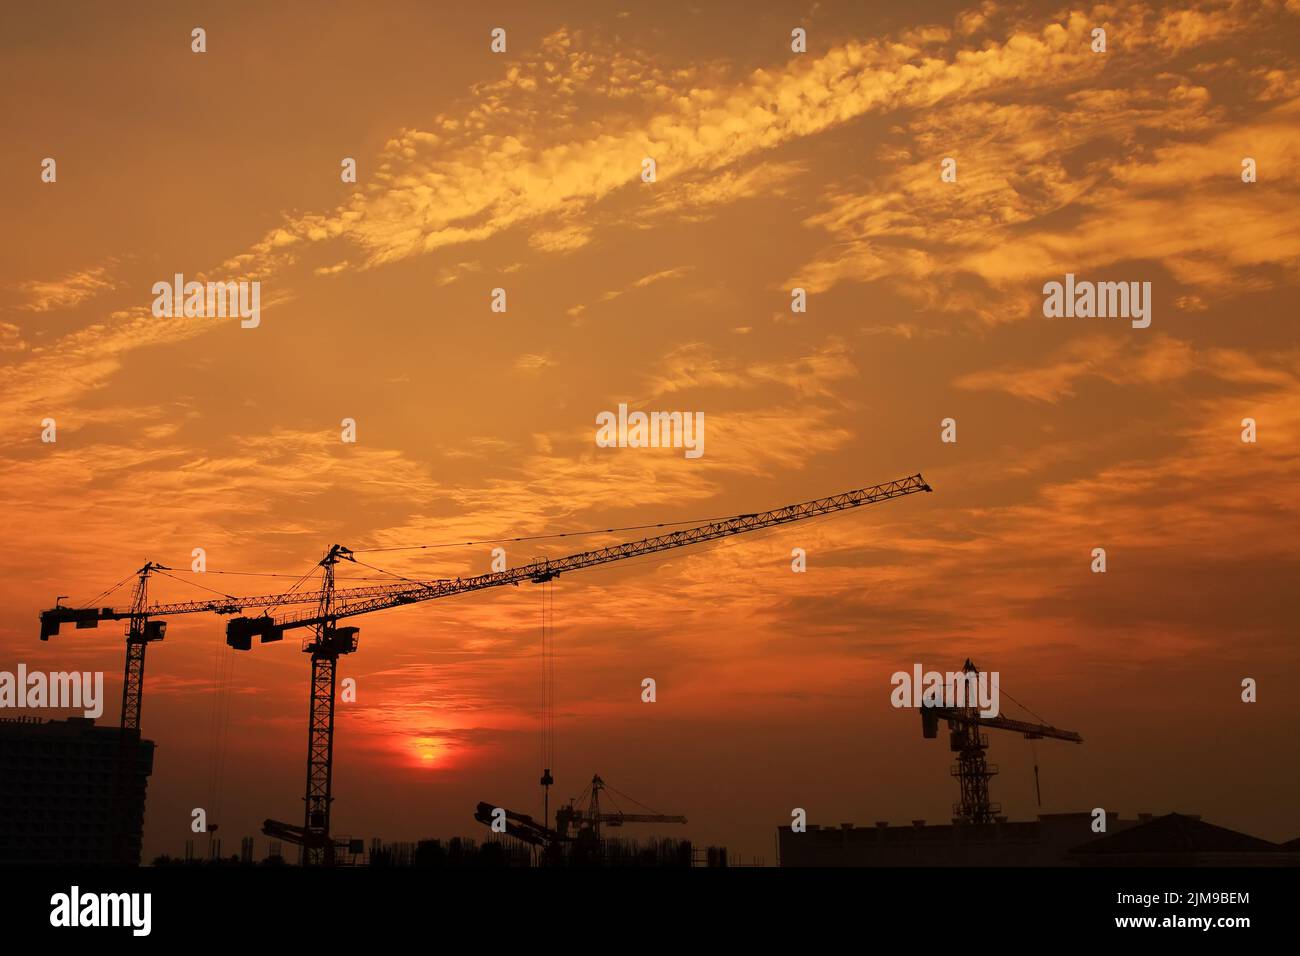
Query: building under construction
x=512, y=851
x=62, y=799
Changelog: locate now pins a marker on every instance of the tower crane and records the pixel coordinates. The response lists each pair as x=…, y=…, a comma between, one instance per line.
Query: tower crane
x=143, y=630
x=967, y=740
x=140, y=633
x=573, y=823
x=326, y=641
x=586, y=823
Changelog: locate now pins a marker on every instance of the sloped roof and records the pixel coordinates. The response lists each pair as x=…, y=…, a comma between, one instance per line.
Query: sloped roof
x=1175, y=833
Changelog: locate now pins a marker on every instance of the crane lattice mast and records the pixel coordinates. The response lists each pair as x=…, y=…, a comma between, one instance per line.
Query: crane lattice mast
x=968, y=741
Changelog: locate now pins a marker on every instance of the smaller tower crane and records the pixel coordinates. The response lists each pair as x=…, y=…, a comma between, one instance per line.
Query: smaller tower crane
x=967, y=740
x=576, y=826
x=586, y=823
x=140, y=633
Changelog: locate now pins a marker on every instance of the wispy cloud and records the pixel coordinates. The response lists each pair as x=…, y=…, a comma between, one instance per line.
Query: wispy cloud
x=67, y=291
x=1158, y=360
x=510, y=160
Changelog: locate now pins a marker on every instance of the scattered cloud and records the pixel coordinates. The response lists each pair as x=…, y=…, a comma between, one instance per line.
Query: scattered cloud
x=68, y=291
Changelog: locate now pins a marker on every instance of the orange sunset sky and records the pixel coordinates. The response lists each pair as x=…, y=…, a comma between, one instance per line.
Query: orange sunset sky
x=776, y=170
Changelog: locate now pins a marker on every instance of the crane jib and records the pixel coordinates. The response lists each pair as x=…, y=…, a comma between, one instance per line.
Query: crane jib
x=348, y=602
x=354, y=601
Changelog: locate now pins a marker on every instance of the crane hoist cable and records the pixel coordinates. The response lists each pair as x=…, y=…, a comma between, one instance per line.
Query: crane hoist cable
x=219, y=730
x=1038, y=790
x=1033, y=744
x=223, y=666
x=224, y=739
x=550, y=601
x=215, y=688
x=547, y=704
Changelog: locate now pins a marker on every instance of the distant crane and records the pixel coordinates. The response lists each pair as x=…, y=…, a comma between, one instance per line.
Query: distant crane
x=966, y=740
x=586, y=822
x=574, y=823
x=326, y=641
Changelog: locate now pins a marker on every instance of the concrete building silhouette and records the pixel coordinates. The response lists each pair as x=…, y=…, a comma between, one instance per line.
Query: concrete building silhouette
x=1179, y=840
x=1041, y=842
x=1054, y=839
x=60, y=797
